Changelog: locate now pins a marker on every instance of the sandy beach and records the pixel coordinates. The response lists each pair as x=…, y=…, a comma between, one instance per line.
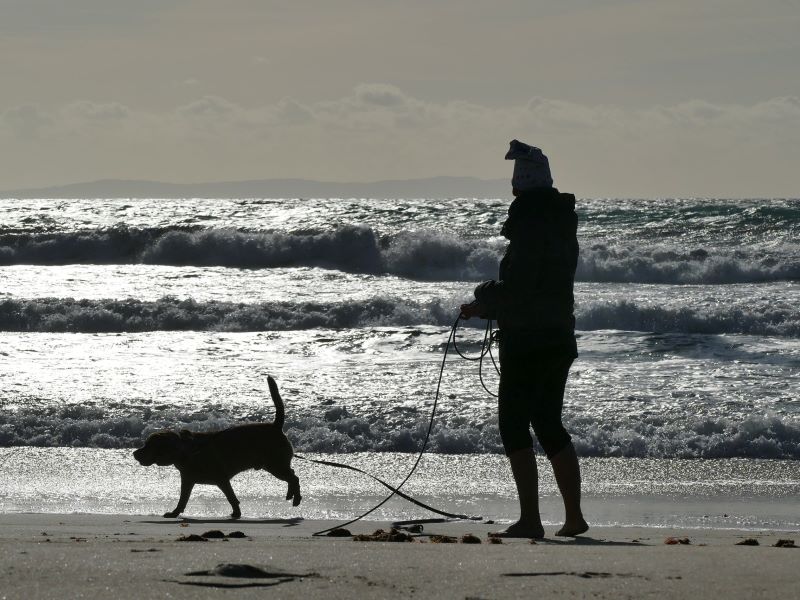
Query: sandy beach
x=97, y=556
x=518, y=264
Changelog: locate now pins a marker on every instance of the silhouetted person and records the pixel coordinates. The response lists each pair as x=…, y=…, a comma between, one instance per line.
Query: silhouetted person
x=533, y=302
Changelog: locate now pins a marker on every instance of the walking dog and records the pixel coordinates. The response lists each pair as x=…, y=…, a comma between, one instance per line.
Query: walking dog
x=215, y=458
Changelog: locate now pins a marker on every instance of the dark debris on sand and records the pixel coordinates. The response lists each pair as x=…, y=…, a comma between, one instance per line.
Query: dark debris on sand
x=237, y=534
x=239, y=575
x=468, y=538
x=671, y=541
x=246, y=571
x=213, y=534
x=748, y=542
x=784, y=544
x=443, y=539
x=380, y=535
x=339, y=532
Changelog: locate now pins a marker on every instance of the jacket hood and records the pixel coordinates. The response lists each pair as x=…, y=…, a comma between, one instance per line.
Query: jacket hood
x=540, y=204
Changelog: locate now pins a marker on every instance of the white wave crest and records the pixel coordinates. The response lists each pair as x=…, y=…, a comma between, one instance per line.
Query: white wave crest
x=419, y=254
x=630, y=316
x=336, y=431
x=172, y=314
x=664, y=264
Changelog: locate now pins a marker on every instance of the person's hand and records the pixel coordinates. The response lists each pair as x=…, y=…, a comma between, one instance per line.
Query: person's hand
x=473, y=309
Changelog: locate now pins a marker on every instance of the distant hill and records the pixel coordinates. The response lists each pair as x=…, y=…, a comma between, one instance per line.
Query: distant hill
x=434, y=187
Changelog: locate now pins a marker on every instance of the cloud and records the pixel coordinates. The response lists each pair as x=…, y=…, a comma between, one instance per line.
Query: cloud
x=93, y=111
x=26, y=122
x=379, y=131
x=208, y=107
x=378, y=94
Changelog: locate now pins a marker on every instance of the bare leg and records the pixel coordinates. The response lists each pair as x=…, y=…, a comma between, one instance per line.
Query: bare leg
x=523, y=467
x=568, y=476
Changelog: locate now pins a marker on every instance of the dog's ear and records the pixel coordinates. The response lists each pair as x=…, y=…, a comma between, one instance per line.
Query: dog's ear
x=188, y=442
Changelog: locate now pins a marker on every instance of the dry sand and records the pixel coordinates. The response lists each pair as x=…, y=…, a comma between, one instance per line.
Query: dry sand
x=123, y=556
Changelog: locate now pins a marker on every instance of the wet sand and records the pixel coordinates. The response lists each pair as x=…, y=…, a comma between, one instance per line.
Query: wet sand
x=102, y=556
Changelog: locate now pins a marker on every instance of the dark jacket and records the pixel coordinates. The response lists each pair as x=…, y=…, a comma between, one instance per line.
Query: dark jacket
x=533, y=298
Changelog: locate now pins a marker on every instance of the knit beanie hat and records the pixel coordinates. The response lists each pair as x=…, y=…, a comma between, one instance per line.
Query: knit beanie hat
x=531, y=168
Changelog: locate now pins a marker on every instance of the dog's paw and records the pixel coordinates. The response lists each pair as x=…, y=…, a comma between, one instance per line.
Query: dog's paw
x=293, y=493
x=171, y=514
x=236, y=514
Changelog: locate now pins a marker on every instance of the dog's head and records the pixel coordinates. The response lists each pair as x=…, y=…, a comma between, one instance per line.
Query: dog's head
x=164, y=448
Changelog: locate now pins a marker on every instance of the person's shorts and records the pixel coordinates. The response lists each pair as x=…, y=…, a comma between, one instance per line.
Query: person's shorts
x=532, y=383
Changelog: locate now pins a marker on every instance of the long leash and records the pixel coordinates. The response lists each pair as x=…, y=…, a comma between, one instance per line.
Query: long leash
x=395, y=491
x=489, y=336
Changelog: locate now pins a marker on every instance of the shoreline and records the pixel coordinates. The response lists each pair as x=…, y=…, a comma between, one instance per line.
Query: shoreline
x=731, y=494
x=49, y=555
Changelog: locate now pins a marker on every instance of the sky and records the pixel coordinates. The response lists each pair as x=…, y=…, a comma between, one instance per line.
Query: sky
x=626, y=98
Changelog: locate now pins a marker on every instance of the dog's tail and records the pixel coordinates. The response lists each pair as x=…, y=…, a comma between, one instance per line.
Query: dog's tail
x=276, y=398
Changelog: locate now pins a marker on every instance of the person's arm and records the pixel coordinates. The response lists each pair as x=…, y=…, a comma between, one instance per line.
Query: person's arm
x=520, y=274
x=473, y=309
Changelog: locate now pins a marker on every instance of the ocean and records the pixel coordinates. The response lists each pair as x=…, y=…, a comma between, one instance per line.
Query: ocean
x=120, y=317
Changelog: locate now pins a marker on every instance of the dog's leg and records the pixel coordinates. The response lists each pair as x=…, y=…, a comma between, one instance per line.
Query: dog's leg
x=186, y=490
x=287, y=474
x=293, y=491
x=226, y=488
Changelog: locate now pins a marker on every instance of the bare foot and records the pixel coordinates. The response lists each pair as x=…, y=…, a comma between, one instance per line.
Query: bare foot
x=573, y=528
x=521, y=530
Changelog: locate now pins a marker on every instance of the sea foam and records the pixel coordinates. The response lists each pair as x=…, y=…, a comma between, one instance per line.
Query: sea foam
x=324, y=430
x=173, y=314
x=419, y=254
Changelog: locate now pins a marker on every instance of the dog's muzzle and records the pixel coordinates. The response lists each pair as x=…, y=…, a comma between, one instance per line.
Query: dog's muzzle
x=141, y=456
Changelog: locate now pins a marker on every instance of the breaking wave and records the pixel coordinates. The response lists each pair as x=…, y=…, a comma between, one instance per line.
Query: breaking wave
x=630, y=316
x=334, y=430
x=172, y=314
x=423, y=254
x=663, y=264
